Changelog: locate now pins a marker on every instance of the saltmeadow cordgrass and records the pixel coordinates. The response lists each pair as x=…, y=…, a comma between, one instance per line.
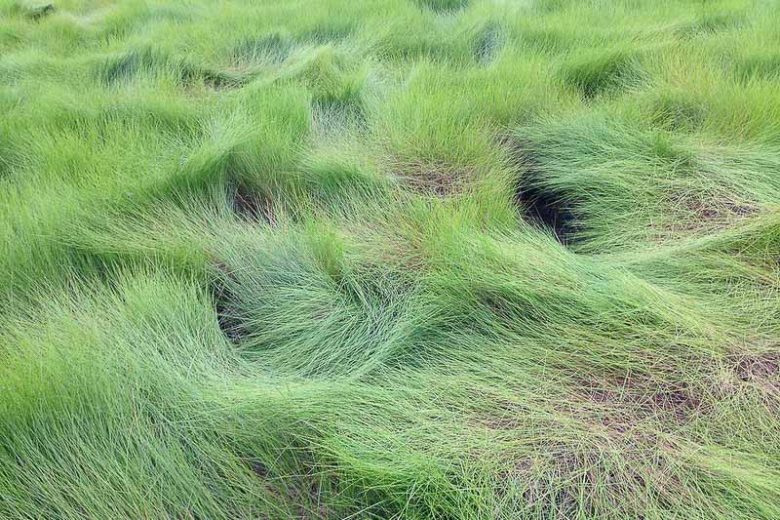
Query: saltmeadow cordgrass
x=390, y=259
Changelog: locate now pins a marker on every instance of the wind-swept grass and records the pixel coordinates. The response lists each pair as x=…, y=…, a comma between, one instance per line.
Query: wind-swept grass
x=390, y=259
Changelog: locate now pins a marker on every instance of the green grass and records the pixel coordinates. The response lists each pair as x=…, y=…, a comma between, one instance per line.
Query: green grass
x=408, y=259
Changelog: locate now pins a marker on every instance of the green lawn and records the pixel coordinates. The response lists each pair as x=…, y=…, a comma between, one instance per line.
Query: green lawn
x=397, y=259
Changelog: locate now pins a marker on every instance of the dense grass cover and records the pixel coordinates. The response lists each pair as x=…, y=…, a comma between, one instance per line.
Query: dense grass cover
x=510, y=259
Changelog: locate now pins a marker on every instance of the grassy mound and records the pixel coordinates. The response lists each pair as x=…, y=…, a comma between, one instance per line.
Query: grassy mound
x=390, y=259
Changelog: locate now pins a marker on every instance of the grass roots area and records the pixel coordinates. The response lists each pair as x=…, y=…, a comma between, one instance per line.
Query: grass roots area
x=397, y=259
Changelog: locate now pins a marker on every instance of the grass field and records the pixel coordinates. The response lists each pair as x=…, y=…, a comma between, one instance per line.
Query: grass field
x=397, y=259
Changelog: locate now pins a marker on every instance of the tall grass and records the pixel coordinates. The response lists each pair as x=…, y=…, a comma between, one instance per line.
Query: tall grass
x=390, y=259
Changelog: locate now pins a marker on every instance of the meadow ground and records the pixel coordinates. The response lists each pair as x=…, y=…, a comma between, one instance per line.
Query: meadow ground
x=455, y=259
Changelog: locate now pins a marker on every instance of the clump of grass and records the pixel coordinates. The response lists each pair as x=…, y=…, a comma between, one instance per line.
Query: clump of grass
x=488, y=44
x=675, y=111
x=274, y=48
x=602, y=72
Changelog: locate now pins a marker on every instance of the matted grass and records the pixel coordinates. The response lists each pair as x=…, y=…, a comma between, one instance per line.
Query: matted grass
x=390, y=259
